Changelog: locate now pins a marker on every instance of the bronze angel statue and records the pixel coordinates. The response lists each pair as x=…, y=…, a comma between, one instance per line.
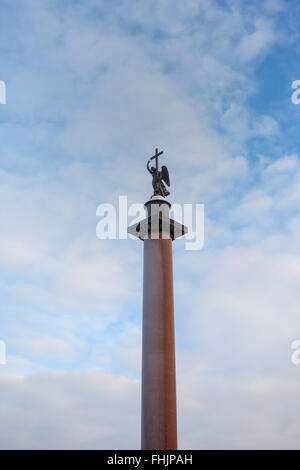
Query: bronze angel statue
x=159, y=178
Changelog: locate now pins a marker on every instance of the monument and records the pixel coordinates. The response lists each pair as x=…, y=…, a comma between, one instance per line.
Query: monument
x=157, y=231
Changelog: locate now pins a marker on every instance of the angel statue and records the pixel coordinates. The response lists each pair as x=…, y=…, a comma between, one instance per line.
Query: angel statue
x=159, y=177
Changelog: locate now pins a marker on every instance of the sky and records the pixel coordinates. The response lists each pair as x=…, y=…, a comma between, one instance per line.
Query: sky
x=92, y=88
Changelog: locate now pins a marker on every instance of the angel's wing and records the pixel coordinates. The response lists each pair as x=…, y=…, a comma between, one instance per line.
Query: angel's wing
x=165, y=175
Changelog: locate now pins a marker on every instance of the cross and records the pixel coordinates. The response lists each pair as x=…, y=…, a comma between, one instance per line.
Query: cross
x=157, y=154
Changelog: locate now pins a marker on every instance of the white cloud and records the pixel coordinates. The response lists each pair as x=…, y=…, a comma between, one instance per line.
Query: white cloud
x=287, y=163
x=69, y=410
x=255, y=43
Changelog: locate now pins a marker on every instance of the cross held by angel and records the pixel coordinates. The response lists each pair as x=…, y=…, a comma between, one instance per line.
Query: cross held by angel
x=159, y=178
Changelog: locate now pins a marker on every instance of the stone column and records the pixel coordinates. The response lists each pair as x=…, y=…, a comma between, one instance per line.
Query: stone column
x=159, y=421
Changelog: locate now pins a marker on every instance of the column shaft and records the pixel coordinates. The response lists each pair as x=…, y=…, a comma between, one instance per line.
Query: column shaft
x=159, y=422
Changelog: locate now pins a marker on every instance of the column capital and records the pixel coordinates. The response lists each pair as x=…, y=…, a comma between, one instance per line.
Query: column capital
x=158, y=224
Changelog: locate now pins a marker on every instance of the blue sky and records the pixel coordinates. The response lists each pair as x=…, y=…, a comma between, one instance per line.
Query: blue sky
x=92, y=88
